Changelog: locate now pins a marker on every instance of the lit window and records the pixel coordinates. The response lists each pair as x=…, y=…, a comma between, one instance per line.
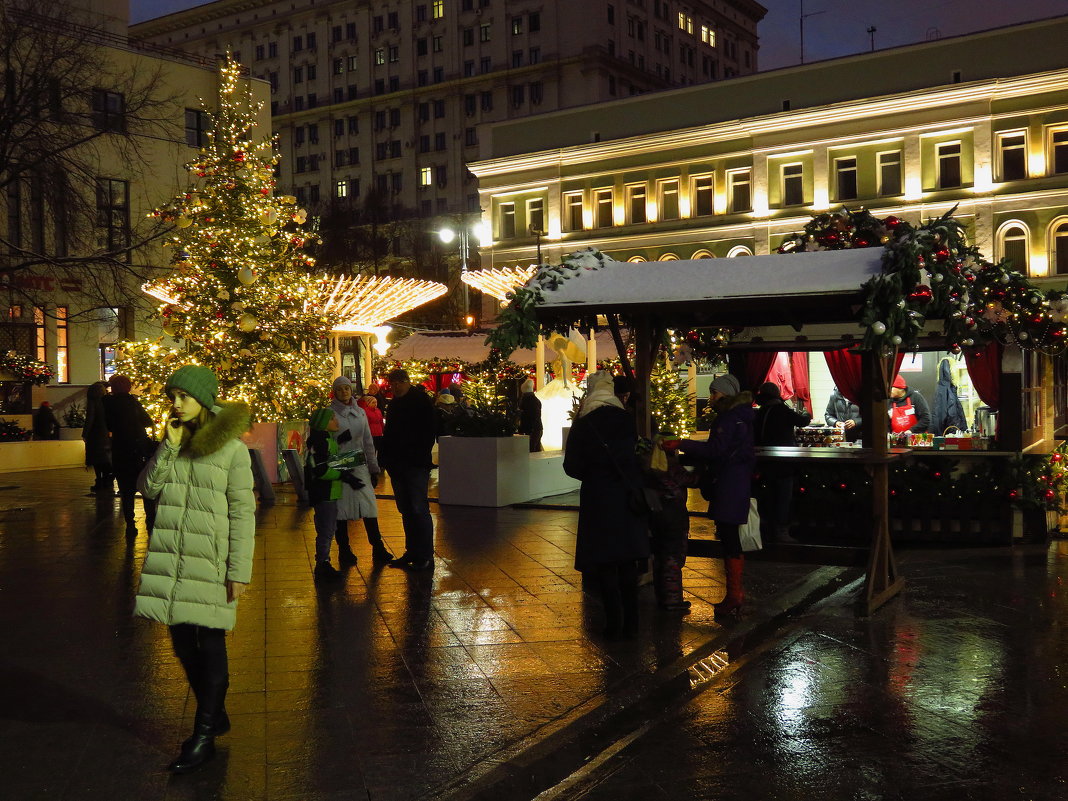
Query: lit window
x=845, y=178
x=793, y=184
x=573, y=211
x=602, y=203
x=62, y=346
x=380, y=55
x=685, y=22
x=341, y=189
x=438, y=9
x=536, y=215
x=890, y=173
x=40, y=333
x=507, y=221
x=948, y=156
x=708, y=36
x=702, y=195
x=668, y=199
x=1014, y=246
x=738, y=190
x=426, y=176
x=636, y=203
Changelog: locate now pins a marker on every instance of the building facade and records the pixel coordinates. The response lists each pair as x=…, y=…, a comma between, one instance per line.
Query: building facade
x=93, y=253
x=392, y=96
x=978, y=122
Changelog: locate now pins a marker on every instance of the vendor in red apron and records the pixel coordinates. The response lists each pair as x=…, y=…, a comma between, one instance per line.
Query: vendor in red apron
x=908, y=409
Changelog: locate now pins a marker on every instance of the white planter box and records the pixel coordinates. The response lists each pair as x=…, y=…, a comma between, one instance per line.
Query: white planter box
x=68, y=434
x=484, y=471
x=41, y=454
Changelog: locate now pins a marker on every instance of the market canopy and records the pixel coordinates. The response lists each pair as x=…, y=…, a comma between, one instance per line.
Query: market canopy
x=749, y=290
x=471, y=347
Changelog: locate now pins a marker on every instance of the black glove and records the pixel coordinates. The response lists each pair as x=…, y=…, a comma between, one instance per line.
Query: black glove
x=351, y=480
x=374, y=479
x=345, y=436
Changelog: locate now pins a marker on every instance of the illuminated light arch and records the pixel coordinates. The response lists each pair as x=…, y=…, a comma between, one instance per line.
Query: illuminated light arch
x=499, y=281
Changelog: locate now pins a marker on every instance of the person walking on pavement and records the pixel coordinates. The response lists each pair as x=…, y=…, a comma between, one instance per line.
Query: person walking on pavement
x=728, y=463
x=774, y=425
x=323, y=476
x=411, y=425
x=45, y=424
x=199, y=559
x=131, y=446
x=97, y=445
x=530, y=415
x=612, y=537
x=357, y=501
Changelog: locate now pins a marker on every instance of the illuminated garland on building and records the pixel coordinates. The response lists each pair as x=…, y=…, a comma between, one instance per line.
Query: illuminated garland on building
x=25, y=368
x=499, y=282
x=241, y=296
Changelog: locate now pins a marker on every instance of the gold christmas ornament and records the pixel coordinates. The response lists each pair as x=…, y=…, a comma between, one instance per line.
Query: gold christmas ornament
x=247, y=322
x=222, y=294
x=246, y=276
x=183, y=222
x=238, y=305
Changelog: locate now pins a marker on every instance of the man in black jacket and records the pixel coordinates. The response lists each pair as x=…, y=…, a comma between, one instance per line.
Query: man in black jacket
x=406, y=445
x=775, y=424
x=842, y=410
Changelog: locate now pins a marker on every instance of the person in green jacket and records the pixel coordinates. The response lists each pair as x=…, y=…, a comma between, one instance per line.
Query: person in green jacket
x=199, y=559
x=323, y=477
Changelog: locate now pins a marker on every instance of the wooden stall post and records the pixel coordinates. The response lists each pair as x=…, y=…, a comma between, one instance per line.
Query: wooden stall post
x=643, y=368
x=882, y=581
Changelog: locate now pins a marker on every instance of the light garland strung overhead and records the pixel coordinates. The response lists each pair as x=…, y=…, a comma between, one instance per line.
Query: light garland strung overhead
x=499, y=282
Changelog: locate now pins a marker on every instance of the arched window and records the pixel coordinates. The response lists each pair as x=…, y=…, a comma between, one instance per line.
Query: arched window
x=668, y=257
x=637, y=259
x=739, y=250
x=703, y=254
x=1012, y=245
x=1059, y=246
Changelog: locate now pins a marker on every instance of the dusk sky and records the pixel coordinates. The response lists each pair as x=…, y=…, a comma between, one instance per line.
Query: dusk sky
x=832, y=27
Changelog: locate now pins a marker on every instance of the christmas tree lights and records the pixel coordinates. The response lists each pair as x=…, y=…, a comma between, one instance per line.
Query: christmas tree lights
x=241, y=296
x=669, y=401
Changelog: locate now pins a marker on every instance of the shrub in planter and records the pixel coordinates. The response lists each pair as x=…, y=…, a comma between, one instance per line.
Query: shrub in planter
x=74, y=416
x=10, y=431
x=486, y=412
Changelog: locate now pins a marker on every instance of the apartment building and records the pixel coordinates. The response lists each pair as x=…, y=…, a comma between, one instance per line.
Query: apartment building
x=977, y=122
x=141, y=122
x=393, y=95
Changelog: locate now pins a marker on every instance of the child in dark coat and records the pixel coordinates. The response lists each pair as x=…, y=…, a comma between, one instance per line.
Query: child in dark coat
x=323, y=475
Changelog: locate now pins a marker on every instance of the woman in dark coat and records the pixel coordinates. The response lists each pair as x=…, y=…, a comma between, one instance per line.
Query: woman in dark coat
x=728, y=457
x=97, y=445
x=131, y=447
x=775, y=425
x=612, y=538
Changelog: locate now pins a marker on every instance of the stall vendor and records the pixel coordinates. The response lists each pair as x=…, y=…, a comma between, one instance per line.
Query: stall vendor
x=842, y=410
x=908, y=409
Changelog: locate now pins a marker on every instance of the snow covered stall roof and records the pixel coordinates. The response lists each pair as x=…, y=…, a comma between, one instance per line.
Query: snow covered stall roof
x=822, y=286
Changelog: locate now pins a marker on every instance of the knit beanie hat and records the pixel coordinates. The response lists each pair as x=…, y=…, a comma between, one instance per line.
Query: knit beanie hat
x=120, y=384
x=341, y=381
x=899, y=382
x=726, y=384
x=321, y=418
x=199, y=382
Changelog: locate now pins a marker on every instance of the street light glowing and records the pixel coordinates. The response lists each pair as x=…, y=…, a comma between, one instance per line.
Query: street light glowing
x=446, y=235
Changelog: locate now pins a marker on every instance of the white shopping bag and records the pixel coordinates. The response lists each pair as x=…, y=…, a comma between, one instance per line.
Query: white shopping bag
x=749, y=532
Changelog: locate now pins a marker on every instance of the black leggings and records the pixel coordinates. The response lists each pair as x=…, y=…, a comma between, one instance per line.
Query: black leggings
x=728, y=537
x=202, y=652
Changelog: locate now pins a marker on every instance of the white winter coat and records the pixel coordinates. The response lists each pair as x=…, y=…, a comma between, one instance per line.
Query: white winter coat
x=355, y=504
x=205, y=524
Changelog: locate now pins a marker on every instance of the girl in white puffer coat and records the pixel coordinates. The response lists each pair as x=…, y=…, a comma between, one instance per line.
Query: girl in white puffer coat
x=199, y=559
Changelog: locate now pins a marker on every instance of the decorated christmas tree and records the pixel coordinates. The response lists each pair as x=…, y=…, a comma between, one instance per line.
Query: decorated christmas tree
x=240, y=297
x=669, y=401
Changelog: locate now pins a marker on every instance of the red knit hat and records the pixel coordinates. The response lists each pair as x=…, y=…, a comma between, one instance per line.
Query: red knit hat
x=899, y=382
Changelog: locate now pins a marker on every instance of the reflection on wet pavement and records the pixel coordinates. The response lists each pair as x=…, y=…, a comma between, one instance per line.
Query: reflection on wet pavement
x=388, y=685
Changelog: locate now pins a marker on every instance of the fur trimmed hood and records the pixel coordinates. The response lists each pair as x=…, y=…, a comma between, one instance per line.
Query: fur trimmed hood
x=229, y=420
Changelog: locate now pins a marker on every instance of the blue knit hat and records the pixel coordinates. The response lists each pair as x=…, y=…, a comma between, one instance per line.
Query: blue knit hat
x=196, y=381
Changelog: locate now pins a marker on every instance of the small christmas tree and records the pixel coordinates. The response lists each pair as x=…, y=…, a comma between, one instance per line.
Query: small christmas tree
x=240, y=297
x=669, y=401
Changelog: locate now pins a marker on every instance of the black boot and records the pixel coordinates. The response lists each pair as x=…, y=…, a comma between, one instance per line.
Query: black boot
x=379, y=552
x=345, y=556
x=199, y=748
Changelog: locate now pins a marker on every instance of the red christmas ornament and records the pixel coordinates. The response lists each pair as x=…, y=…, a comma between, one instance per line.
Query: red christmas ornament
x=891, y=222
x=921, y=294
x=265, y=191
x=239, y=155
x=1056, y=457
x=941, y=255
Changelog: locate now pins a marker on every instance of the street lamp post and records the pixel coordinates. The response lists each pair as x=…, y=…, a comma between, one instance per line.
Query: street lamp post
x=538, y=234
x=464, y=233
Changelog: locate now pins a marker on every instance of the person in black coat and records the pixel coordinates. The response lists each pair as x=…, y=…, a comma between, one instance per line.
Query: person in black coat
x=408, y=439
x=97, y=442
x=842, y=410
x=45, y=424
x=612, y=537
x=131, y=447
x=776, y=424
x=530, y=415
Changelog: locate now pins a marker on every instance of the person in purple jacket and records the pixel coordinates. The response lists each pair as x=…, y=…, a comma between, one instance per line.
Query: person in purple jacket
x=728, y=459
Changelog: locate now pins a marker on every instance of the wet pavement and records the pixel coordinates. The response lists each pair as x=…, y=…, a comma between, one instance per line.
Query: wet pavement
x=487, y=678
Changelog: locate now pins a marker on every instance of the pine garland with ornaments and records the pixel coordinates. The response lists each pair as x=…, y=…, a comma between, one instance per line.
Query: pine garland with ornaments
x=240, y=297
x=25, y=368
x=931, y=272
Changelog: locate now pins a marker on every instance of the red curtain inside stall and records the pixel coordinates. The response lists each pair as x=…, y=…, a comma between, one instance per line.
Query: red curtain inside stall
x=984, y=367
